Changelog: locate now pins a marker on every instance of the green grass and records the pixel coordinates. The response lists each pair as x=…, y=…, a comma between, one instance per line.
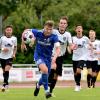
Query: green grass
x=61, y=94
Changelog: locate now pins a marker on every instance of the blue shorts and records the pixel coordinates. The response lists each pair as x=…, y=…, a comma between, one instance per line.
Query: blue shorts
x=47, y=62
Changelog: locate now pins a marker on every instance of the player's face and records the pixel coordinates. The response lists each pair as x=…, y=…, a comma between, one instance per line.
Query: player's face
x=8, y=31
x=62, y=25
x=92, y=34
x=79, y=30
x=47, y=30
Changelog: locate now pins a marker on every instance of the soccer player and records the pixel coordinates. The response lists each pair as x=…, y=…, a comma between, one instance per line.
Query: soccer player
x=45, y=42
x=8, y=45
x=65, y=40
x=79, y=54
x=92, y=59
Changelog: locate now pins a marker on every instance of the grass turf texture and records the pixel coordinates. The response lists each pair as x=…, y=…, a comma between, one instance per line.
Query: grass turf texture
x=61, y=94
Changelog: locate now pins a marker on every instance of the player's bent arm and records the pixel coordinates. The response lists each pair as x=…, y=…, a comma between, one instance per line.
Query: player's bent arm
x=14, y=52
x=69, y=48
x=57, y=51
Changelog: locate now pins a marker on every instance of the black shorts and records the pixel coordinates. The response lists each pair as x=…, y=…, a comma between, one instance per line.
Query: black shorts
x=5, y=62
x=78, y=64
x=98, y=68
x=88, y=64
x=94, y=66
x=59, y=62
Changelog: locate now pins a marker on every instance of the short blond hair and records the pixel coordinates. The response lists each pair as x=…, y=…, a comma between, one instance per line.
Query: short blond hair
x=49, y=23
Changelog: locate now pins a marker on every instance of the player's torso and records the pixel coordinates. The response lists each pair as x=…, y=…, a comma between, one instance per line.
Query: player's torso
x=9, y=44
x=64, y=39
x=91, y=53
x=80, y=52
x=44, y=44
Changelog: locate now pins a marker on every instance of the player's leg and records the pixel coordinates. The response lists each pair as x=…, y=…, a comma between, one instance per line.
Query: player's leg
x=89, y=73
x=53, y=77
x=75, y=75
x=7, y=66
x=94, y=73
x=80, y=65
x=43, y=80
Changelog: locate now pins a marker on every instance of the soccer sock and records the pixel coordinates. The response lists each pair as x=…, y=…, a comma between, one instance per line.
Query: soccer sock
x=52, y=85
x=89, y=80
x=51, y=76
x=40, y=82
x=77, y=79
x=6, y=77
x=93, y=80
x=45, y=81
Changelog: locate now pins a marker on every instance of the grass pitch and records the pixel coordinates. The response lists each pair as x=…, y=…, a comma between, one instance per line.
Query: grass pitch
x=61, y=94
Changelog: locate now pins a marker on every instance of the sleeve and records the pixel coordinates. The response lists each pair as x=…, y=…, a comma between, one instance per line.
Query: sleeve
x=34, y=31
x=56, y=41
x=15, y=41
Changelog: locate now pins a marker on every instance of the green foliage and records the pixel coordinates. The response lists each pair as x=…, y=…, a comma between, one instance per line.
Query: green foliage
x=33, y=13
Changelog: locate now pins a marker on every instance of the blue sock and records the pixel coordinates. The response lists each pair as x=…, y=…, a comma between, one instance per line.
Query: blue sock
x=45, y=81
x=40, y=81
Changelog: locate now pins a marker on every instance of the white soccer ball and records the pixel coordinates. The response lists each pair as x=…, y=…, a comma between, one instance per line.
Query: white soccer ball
x=27, y=36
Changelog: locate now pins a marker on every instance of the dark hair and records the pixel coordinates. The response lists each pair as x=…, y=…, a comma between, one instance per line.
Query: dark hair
x=78, y=25
x=49, y=23
x=64, y=18
x=9, y=26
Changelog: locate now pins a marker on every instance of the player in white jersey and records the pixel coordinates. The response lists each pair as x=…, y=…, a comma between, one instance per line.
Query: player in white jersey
x=92, y=59
x=79, y=54
x=65, y=40
x=8, y=46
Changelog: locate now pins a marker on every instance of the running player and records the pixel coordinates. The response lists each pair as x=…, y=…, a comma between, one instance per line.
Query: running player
x=79, y=54
x=92, y=59
x=8, y=45
x=65, y=40
x=45, y=42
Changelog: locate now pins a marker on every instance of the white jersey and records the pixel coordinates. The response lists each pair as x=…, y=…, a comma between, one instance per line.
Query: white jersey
x=8, y=43
x=91, y=56
x=64, y=40
x=80, y=52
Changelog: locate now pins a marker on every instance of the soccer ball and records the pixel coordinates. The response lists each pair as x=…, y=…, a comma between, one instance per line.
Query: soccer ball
x=27, y=36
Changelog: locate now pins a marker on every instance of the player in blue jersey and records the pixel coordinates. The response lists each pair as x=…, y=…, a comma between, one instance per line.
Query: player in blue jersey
x=45, y=41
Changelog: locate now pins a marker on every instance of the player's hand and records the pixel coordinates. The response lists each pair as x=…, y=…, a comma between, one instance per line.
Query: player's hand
x=53, y=63
x=23, y=47
x=73, y=46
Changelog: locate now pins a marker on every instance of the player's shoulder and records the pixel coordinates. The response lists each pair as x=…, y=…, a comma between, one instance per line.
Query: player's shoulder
x=2, y=36
x=14, y=37
x=97, y=40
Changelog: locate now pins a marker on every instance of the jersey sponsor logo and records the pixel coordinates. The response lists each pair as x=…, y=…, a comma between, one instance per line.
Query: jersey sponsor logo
x=45, y=42
x=8, y=45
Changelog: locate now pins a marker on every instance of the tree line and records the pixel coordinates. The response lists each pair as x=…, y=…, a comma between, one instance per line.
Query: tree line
x=33, y=13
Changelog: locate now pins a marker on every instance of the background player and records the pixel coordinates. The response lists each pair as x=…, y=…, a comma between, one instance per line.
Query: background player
x=8, y=45
x=65, y=40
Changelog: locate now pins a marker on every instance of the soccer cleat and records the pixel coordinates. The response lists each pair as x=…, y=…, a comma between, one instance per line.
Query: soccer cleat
x=3, y=89
x=48, y=95
x=36, y=91
x=77, y=88
x=7, y=87
x=93, y=85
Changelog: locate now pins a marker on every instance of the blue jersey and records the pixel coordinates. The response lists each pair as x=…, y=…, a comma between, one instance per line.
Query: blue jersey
x=44, y=44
